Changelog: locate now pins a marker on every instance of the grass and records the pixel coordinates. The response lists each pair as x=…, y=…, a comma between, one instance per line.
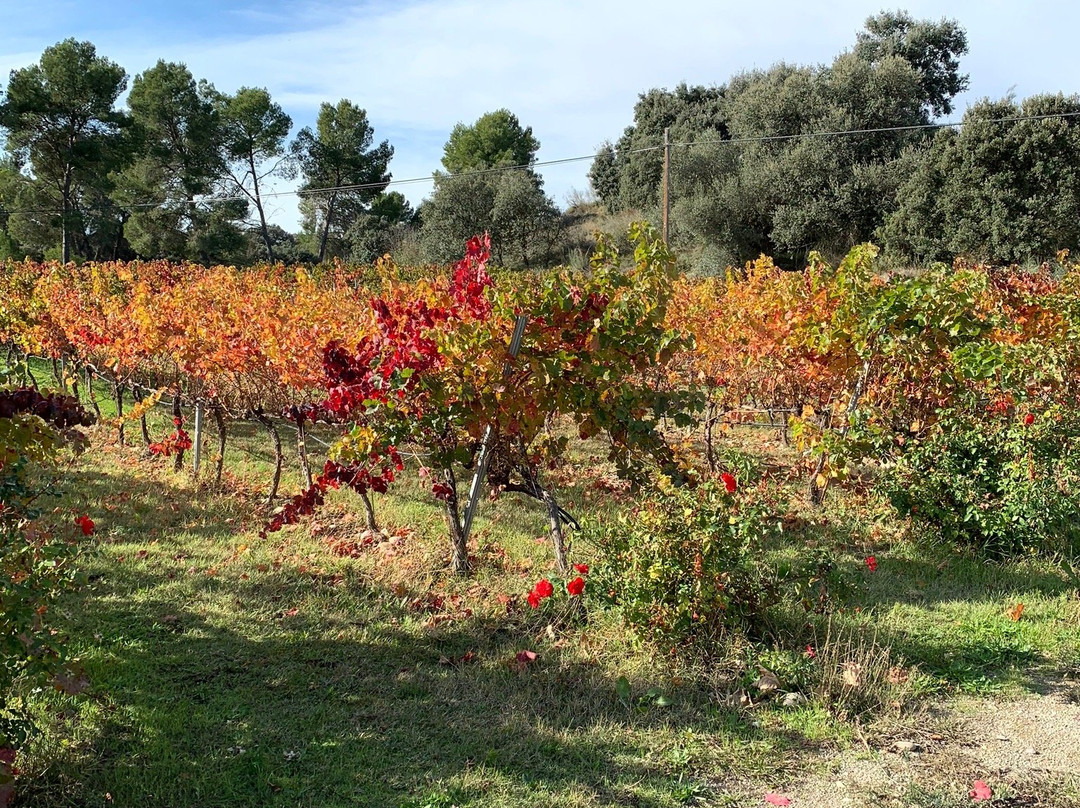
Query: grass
x=278, y=675
x=226, y=670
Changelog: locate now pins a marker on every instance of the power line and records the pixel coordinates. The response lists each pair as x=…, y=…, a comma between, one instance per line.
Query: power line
x=879, y=130
x=581, y=158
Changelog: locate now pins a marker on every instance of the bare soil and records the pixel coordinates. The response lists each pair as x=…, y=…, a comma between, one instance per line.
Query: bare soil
x=1027, y=749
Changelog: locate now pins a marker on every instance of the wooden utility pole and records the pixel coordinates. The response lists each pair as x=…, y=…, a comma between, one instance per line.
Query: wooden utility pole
x=667, y=183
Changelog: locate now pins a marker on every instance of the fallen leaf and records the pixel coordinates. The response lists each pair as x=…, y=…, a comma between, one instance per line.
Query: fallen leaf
x=980, y=791
x=852, y=674
x=1015, y=611
x=767, y=682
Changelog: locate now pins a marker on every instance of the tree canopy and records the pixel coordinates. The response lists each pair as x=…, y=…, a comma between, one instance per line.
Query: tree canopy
x=339, y=155
x=495, y=139
x=509, y=205
x=60, y=120
x=255, y=129
x=1003, y=191
x=757, y=176
x=782, y=160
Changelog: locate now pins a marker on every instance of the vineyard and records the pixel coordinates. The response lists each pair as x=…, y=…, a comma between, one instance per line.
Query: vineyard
x=727, y=525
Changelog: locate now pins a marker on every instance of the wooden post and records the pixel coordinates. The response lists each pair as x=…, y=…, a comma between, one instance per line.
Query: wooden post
x=667, y=183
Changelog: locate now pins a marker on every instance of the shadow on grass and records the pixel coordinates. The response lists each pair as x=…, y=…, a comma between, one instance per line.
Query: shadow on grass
x=279, y=711
x=148, y=506
x=949, y=612
x=280, y=688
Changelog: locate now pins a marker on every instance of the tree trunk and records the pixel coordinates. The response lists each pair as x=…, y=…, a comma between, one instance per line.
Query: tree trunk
x=65, y=234
x=259, y=207
x=219, y=419
x=278, y=457
x=326, y=227
x=459, y=553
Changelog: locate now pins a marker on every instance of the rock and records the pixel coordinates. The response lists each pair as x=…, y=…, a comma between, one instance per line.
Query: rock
x=794, y=700
x=908, y=746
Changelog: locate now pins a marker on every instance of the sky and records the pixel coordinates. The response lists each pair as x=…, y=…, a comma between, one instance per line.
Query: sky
x=570, y=69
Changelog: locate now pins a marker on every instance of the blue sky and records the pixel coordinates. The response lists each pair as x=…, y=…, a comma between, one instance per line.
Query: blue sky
x=571, y=69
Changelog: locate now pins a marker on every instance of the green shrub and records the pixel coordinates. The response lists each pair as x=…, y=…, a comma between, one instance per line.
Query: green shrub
x=685, y=567
x=1000, y=485
x=36, y=556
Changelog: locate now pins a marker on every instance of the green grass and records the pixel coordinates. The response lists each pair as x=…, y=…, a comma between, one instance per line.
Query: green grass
x=227, y=670
x=336, y=690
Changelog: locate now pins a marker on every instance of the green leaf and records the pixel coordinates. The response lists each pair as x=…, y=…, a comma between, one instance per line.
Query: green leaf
x=622, y=690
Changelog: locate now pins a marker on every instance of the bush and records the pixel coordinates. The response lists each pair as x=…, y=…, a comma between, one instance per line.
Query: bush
x=36, y=559
x=685, y=566
x=1003, y=485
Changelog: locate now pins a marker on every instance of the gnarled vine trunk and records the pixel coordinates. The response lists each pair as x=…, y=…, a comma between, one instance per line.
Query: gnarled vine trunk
x=459, y=553
x=118, y=396
x=275, y=438
x=219, y=420
x=301, y=451
x=178, y=415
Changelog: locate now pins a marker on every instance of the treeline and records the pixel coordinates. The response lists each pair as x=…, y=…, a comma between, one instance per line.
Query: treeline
x=181, y=173
x=996, y=189
x=779, y=162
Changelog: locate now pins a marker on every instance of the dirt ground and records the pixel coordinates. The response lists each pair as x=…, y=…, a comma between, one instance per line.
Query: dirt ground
x=1027, y=750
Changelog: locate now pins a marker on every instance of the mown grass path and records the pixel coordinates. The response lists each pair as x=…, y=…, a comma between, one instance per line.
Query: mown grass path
x=225, y=670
